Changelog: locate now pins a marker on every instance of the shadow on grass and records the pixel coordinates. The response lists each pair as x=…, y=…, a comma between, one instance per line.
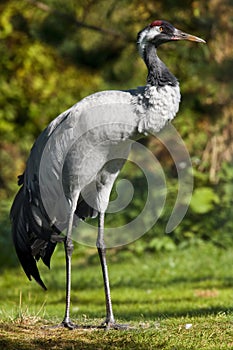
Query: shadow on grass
x=26, y=336
x=67, y=340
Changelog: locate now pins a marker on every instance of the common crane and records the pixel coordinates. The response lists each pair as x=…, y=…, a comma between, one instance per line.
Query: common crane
x=79, y=156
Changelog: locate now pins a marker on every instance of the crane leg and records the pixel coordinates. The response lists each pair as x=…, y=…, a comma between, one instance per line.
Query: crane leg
x=102, y=255
x=69, y=247
x=110, y=321
x=68, y=252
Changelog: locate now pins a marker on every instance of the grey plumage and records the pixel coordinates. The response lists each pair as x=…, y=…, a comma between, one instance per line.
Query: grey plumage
x=75, y=161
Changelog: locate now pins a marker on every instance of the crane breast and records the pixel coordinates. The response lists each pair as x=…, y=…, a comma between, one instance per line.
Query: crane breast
x=156, y=106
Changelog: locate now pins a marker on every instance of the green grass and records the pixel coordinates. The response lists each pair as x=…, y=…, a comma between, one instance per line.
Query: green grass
x=177, y=300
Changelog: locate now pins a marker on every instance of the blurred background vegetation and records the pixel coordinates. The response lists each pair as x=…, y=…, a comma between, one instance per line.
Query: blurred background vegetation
x=55, y=52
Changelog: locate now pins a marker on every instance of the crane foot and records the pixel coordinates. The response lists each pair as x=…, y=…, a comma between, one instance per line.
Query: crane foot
x=113, y=325
x=64, y=324
x=106, y=326
x=69, y=325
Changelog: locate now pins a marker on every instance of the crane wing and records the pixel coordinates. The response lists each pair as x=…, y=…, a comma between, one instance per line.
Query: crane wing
x=40, y=208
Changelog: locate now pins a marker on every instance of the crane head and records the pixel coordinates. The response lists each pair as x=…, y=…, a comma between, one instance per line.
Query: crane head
x=159, y=32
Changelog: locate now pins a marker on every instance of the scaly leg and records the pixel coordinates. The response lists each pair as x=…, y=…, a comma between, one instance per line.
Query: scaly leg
x=102, y=255
x=110, y=321
x=69, y=247
x=68, y=251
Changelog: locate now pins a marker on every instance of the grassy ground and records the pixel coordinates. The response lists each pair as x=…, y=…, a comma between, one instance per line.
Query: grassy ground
x=177, y=300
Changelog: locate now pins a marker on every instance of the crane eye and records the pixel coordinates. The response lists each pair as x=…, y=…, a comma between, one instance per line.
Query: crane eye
x=161, y=29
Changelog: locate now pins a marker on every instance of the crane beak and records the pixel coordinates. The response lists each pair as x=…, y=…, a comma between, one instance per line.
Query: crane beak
x=179, y=35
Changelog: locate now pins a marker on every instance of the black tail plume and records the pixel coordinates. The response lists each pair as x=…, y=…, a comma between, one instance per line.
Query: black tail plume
x=20, y=233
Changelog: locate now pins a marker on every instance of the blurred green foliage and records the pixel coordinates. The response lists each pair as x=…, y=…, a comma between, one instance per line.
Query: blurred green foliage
x=53, y=53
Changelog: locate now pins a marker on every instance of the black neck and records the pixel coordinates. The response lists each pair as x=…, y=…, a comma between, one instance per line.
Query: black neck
x=158, y=73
